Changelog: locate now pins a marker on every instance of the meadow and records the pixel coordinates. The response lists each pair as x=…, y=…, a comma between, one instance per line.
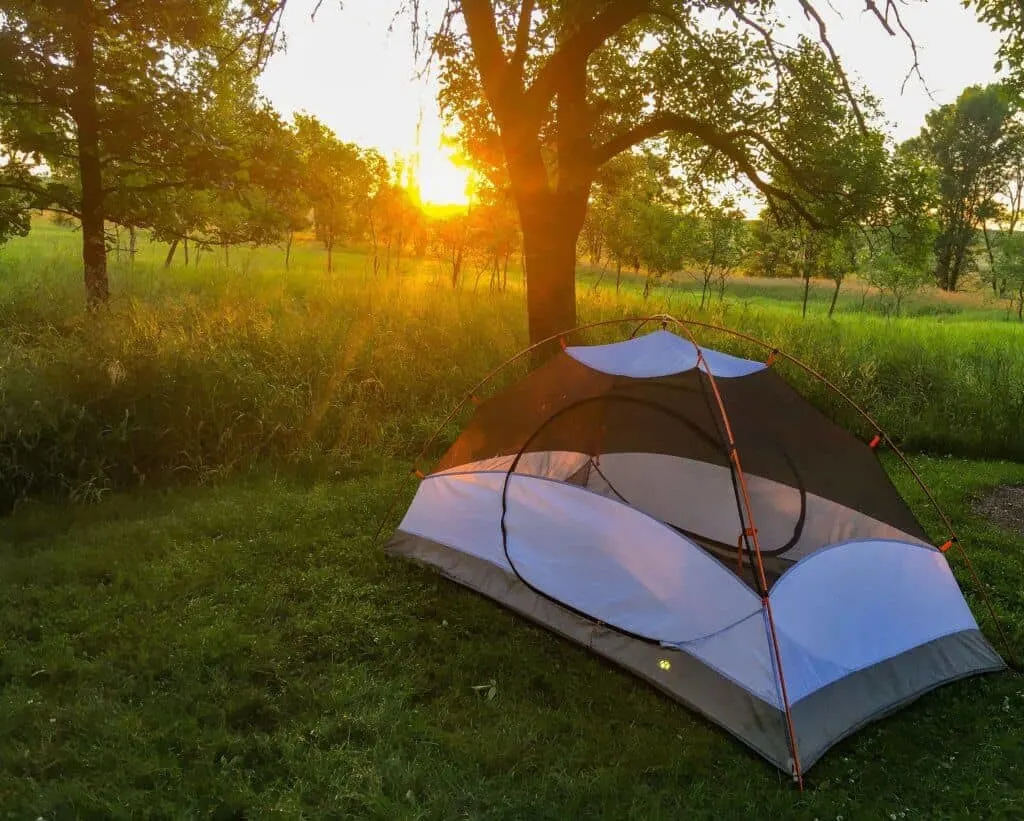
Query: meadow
x=195, y=619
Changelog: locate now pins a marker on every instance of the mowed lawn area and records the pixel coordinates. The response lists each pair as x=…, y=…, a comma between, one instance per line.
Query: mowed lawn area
x=196, y=621
x=246, y=651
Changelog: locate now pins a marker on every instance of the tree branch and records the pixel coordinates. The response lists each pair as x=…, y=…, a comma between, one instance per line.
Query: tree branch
x=812, y=14
x=883, y=19
x=725, y=143
x=518, y=60
x=489, y=54
x=577, y=49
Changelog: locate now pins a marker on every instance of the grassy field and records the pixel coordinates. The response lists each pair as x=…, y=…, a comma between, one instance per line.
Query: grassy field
x=195, y=621
x=246, y=651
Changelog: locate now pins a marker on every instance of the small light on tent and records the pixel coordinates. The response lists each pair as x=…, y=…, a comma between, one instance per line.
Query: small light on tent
x=665, y=664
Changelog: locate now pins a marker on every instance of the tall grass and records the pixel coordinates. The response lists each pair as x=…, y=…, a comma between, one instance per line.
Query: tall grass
x=201, y=371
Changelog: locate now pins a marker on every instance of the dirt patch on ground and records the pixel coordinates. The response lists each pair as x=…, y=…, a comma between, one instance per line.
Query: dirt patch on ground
x=1004, y=506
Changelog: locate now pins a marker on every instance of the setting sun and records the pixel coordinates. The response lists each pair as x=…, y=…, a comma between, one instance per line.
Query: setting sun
x=441, y=179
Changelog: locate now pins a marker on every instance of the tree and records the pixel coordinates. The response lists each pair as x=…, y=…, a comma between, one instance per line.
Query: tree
x=718, y=244
x=966, y=144
x=1005, y=17
x=339, y=182
x=100, y=87
x=557, y=89
x=452, y=244
x=1008, y=267
x=901, y=240
x=897, y=275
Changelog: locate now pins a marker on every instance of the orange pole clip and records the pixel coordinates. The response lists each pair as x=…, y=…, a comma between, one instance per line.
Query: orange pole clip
x=944, y=548
x=874, y=443
x=475, y=400
x=561, y=341
x=771, y=358
x=419, y=473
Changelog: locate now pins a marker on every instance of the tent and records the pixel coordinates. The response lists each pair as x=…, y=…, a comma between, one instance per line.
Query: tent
x=689, y=516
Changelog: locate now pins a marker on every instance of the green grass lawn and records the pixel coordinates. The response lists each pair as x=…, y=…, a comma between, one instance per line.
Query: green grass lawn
x=246, y=651
x=226, y=641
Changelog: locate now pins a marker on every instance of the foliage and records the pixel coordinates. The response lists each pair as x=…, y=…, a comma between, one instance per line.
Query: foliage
x=965, y=143
x=556, y=90
x=1008, y=267
x=719, y=243
x=118, y=98
x=897, y=275
x=340, y=181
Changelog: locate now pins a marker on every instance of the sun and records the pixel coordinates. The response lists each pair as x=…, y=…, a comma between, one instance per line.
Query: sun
x=443, y=178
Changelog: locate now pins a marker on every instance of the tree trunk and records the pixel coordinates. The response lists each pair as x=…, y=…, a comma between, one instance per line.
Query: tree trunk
x=185, y=246
x=550, y=249
x=330, y=256
x=170, y=254
x=835, y=297
x=288, y=251
x=227, y=257
x=807, y=291
x=618, y=276
x=131, y=245
x=90, y=168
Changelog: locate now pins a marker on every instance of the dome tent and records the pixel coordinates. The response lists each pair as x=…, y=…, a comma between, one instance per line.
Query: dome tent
x=688, y=515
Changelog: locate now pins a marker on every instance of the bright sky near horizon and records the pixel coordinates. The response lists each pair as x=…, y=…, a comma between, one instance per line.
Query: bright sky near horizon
x=347, y=68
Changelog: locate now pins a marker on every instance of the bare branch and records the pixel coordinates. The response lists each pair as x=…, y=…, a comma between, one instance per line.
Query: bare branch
x=883, y=19
x=812, y=14
x=726, y=143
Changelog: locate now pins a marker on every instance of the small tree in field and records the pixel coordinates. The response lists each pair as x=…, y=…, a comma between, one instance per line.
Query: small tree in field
x=451, y=244
x=338, y=182
x=898, y=276
x=718, y=247
x=1008, y=265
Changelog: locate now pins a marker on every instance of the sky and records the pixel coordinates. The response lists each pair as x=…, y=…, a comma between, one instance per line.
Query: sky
x=357, y=73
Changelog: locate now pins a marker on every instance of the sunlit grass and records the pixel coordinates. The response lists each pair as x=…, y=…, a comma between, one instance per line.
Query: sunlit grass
x=197, y=372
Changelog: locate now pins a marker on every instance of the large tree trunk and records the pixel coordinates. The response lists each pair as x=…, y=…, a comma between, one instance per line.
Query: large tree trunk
x=807, y=291
x=185, y=247
x=288, y=251
x=90, y=168
x=550, y=249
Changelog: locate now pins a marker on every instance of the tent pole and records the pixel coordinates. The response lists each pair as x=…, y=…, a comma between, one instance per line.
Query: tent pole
x=476, y=388
x=684, y=324
x=750, y=532
x=776, y=352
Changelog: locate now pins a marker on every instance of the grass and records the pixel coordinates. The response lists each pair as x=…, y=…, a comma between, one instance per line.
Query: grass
x=201, y=372
x=246, y=651
x=227, y=641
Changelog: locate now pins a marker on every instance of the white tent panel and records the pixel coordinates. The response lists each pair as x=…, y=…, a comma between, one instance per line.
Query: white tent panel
x=700, y=498
x=743, y=654
x=659, y=354
x=619, y=565
x=592, y=553
x=856, y=604
x=552, y=464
